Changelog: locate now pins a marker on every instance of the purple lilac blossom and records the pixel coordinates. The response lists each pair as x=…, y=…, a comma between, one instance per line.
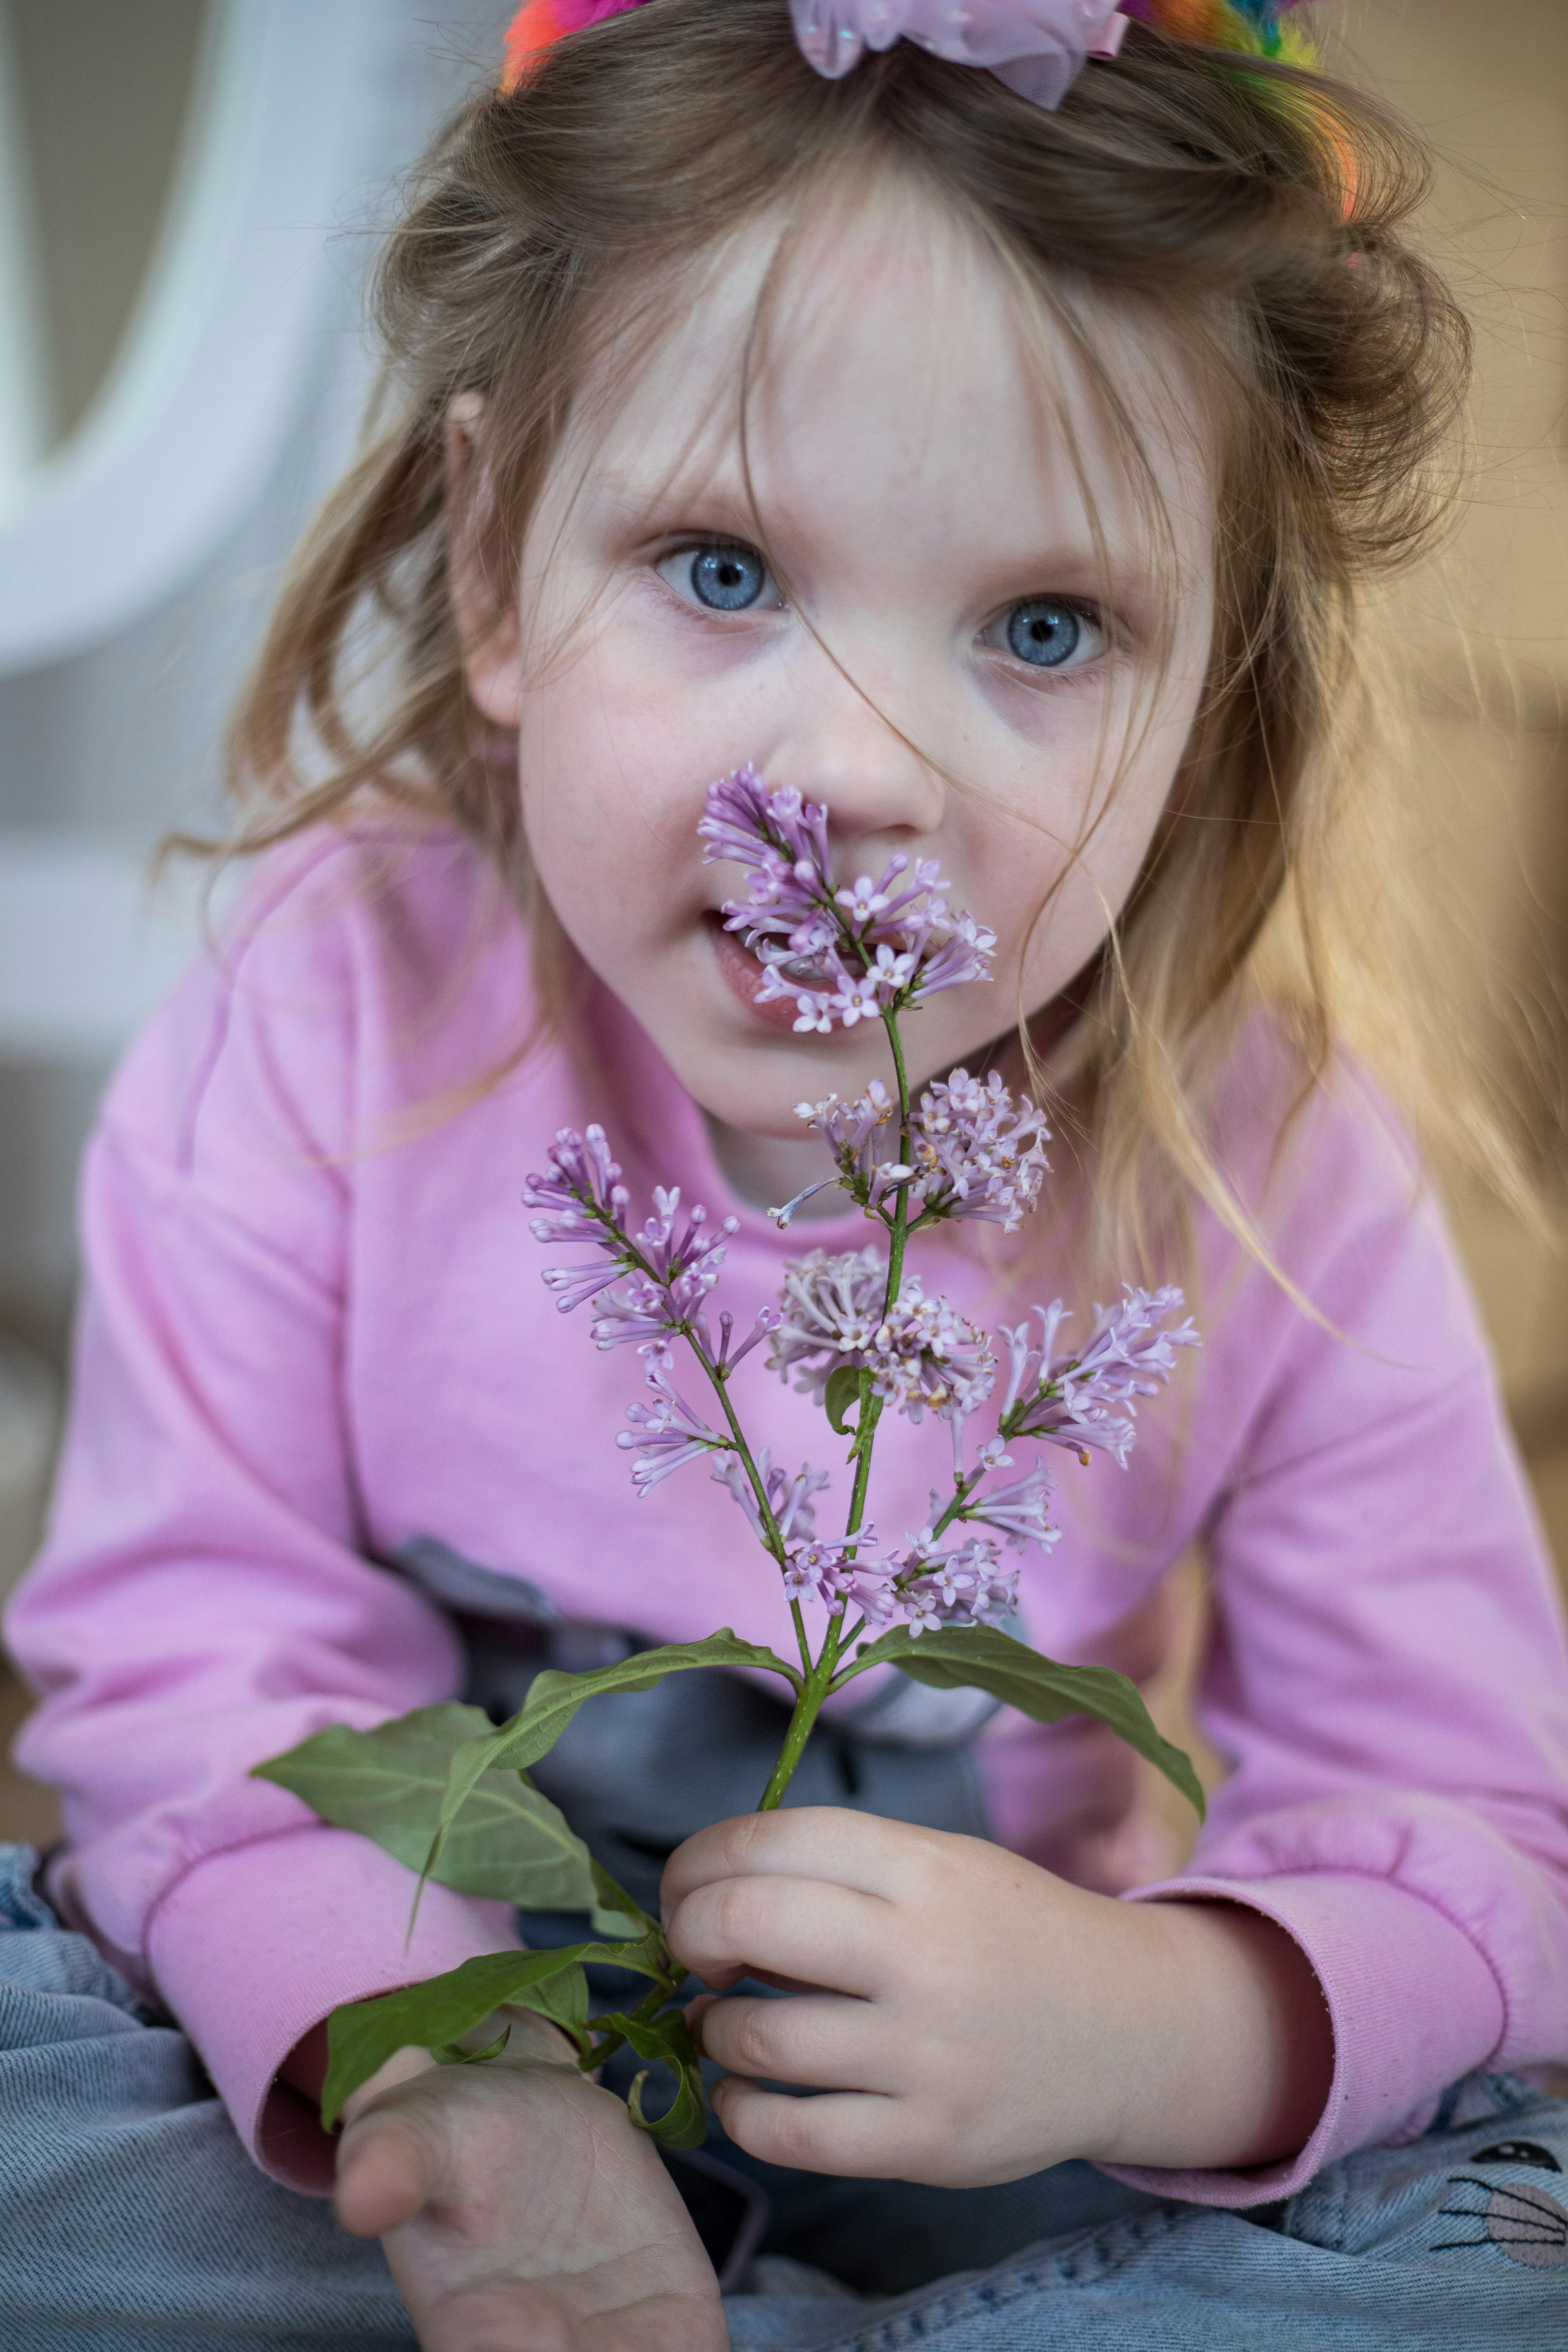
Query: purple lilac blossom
x=1016, y=1511
x=789, y=1498
x=846, y=954
x=1070, y=1404
x=975, y=1153
x=927, y=1357
x=928, y=1585
x=656, y=1280
x=923, y=1354
x=831, y=1307
x=666, y=1434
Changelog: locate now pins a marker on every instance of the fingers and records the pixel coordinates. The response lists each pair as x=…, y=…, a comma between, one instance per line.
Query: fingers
x=386, y=2171
x=817, y=2040
x=825, y=1842
x=861, y=2135
x=799, y=1929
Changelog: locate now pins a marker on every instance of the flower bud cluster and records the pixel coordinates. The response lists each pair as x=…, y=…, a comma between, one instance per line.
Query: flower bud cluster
x=1085, y=1402
x=973, y=1151
x=925, y=1585
x=789, y=1498
x=923, y=1356
x=842, y=955
x=666, y=1434
x=651, y=1286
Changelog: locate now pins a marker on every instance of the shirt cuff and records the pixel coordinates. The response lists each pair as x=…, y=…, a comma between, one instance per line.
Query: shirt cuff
x=1412, y=2004
x=254, y=1946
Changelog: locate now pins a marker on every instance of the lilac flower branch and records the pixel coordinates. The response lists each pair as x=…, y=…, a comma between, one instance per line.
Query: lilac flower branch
x=856, y=1332
x=853, y=1330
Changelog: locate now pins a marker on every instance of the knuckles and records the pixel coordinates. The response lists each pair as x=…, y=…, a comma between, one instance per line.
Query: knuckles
x=718, y=1926
x=741, y=2036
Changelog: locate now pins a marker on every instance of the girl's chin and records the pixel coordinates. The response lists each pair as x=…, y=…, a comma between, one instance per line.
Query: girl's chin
x=742, y=976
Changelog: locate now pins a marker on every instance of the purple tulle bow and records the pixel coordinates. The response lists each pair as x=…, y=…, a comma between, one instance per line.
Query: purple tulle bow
x=1036, y=47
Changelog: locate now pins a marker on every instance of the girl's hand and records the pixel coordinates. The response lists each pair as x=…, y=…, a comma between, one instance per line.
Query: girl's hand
x=520, y=2210
x=970, y=2019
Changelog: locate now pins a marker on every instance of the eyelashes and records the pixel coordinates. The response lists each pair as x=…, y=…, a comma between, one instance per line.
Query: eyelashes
x=720, y=576
x=1046, y=634
x=1049, y=632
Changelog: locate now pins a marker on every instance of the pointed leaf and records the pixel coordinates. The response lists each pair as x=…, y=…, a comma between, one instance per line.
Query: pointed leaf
x=984, y=1658
x=842, y=1391
x=364, y=2034
x=666, y=2037
x=552, y=1701
x=615, y=1912
x=512, y=1844
x=452, y=2054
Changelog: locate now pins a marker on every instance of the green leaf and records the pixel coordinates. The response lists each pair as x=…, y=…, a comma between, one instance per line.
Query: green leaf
x=452, y=2054
x=512, y=1844
x=615, y=1912
x=843, y=1390
x=666, y=2037
x=986, y=1659
x=364, y=2034
x=554, y=1698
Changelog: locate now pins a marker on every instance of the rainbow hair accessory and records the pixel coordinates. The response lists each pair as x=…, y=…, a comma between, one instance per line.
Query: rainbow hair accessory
x=1038, y=46
x=1254, y=28
x=540, y=24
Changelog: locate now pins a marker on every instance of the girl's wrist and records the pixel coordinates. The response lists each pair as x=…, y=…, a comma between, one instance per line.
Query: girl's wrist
x=1235, y=2056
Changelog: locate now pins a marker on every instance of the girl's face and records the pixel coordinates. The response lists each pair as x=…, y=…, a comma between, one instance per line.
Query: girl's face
x=943, y=657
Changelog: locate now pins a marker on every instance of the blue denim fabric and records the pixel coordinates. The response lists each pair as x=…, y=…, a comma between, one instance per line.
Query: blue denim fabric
x=131, y=2220
x=1459, y=2240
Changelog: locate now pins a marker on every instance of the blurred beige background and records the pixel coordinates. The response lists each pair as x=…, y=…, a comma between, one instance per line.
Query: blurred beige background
x=108, y=744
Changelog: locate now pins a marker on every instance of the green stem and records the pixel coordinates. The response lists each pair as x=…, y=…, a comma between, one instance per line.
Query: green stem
x=649, y=2006
x=807, y=1708
x=819, y=1679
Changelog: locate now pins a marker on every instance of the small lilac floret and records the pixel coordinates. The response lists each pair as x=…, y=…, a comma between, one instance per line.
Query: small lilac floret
x=822, y=1567
x=789, y=1498
x=1017, y=1511
x=666, y=1434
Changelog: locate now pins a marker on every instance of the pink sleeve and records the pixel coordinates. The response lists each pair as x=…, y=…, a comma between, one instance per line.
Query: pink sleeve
x=1387, y=1677
x=203, y=1601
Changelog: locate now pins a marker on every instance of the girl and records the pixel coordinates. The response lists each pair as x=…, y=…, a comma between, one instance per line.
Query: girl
x=985, y=421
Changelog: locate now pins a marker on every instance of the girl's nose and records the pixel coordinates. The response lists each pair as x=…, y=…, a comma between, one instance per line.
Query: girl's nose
x=858, y=749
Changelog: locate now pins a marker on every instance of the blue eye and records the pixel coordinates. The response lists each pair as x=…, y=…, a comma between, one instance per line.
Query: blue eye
x=725, y=579
x=1050, y=634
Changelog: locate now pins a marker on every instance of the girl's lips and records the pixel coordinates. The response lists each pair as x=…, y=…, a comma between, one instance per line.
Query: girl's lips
x=743, y=975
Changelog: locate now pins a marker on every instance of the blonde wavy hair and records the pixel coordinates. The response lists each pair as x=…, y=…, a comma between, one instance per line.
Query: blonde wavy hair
x=1254, y=213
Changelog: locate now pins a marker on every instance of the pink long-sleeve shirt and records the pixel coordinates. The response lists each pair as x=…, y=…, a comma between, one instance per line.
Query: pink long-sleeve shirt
x=314, y=1330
